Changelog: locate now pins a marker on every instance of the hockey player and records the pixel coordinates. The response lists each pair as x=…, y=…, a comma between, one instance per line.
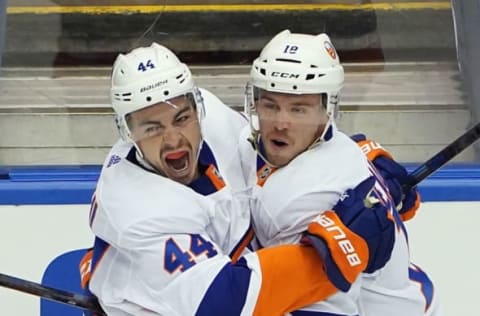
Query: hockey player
x=171, y=210
x=295, y=148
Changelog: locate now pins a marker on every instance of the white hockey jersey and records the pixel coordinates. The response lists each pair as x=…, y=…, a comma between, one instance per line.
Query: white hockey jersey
x=288, y=198
x=167, y=248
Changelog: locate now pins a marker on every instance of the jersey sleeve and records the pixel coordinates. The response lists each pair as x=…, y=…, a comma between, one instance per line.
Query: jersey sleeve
x=186, y=274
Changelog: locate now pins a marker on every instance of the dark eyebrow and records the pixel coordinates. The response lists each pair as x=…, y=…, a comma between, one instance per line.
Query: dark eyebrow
x=302, y=104
x=186, y=108
x=267, y=98
x=150, y=123
x=297, y=103
x=157, y=123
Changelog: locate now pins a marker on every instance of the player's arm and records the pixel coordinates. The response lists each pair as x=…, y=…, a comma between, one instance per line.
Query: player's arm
x=394, y=174
x=186, y=275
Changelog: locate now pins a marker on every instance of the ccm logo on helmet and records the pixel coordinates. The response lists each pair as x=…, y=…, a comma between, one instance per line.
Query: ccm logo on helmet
x=284, y=75
x=154, y=85
x=338, y=234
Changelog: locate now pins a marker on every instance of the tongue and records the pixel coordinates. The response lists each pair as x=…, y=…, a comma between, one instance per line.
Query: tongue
x=176, y=155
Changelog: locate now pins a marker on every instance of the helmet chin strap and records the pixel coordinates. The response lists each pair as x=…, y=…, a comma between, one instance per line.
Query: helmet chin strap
x=326, y=130
x=254, y=141
x=142, y=161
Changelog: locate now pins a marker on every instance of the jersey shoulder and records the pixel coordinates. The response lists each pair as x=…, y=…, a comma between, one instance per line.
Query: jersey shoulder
x=128, y=195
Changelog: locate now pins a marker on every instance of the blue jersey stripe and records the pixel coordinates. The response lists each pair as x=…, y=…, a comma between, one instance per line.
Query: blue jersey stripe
x=228, y=292
x=416, y=274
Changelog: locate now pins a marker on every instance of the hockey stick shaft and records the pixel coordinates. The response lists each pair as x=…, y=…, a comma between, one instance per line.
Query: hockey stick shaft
x=65, y=297
x=442, y=157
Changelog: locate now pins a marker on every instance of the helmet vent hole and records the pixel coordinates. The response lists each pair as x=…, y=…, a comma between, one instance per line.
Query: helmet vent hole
x=272, y=85
x=165, y=93
x=310, y=77
x=262, y=71
x=294, y=87
x=289, y=60
x=149, y=98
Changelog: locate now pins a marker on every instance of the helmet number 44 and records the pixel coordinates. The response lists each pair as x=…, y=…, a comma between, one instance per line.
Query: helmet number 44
x=144, y=66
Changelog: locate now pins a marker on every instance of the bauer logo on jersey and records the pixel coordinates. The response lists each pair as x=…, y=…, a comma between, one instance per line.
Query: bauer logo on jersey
x=330, y=49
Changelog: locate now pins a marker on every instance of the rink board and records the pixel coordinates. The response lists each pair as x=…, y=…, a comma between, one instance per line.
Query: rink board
x=44, y=213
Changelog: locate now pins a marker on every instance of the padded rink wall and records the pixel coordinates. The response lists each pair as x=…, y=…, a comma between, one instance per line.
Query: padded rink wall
x=44, y=212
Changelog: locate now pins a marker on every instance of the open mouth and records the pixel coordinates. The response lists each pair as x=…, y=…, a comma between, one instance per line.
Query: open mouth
x=178, y=161
x=278, y=143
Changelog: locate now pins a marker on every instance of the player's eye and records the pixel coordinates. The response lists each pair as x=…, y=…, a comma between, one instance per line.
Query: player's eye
x=183, y=118
x=152, y=130
x=268, y=105
x=298, y=109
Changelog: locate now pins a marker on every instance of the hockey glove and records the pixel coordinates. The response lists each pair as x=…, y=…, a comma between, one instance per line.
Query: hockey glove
x=355, y=238
x=394, y=174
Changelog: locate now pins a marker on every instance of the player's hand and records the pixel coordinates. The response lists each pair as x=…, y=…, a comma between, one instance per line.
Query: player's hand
x=355, y=238
x=394, y=174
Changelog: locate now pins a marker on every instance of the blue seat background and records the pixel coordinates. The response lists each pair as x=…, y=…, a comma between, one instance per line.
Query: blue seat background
x=63, y=273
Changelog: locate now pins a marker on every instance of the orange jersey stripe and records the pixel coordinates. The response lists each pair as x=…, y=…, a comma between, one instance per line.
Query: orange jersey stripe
x=246, y=240
x=215, y=177
x=263, y=174
x=292, y=277
x=85, y=268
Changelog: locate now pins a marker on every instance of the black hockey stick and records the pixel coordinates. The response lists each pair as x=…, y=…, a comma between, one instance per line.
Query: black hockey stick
x=65, y=297
x=442, y=157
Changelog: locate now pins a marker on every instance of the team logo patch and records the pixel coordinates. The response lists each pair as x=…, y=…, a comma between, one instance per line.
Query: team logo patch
x=114, y=159
x=330, y=49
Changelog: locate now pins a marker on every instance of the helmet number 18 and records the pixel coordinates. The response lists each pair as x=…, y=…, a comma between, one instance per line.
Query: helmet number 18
x=290, y=49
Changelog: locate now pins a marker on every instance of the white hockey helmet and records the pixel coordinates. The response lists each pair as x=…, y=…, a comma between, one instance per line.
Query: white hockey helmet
x=147, y=76
x=299, y=64
x=296, y=63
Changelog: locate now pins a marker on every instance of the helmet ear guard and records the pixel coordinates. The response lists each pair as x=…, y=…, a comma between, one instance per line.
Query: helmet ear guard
x=122, y=127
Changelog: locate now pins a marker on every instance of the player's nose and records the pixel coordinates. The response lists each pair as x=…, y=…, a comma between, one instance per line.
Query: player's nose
x=172, y=136
x=282, y=120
